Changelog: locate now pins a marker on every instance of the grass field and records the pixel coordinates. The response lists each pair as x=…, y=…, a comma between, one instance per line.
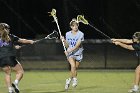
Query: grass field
x=90, y=81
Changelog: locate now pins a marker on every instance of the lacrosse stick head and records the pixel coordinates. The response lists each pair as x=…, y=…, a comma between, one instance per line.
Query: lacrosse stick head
x=80, y=18
x=53, y=35
x=53, y=14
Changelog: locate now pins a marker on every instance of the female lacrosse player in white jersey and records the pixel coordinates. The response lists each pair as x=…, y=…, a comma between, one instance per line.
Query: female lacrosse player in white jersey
x=73, y=42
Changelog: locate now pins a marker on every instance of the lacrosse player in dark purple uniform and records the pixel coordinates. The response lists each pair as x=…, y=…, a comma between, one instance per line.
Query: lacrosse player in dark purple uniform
x=8, y=57
x=131, y=44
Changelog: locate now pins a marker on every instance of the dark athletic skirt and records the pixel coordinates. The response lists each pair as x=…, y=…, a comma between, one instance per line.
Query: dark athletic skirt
x=8, y=61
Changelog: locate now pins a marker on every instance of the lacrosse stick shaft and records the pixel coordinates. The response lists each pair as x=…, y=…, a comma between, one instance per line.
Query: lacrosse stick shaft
x=39, y=40
x=80, y=18
x=36, y=41
x=99, y=31
x=47, y=37
x=60, y=33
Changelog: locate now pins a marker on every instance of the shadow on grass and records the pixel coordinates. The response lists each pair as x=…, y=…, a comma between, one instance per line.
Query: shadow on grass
x=90, y=87
x=39, y=91
x=71, y=90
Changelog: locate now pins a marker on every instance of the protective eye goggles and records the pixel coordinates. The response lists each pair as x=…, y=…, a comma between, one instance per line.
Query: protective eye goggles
x=6, y=26
x=134, y=37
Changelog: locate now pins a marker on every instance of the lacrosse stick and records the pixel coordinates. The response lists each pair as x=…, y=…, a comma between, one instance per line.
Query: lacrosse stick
x=80, y=18
x=53, y=14
x=53, y=35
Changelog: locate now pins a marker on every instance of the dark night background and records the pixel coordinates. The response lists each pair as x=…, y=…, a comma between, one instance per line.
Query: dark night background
x=30, y=18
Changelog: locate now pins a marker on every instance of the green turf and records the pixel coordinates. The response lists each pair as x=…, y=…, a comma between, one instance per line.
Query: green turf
x=93, y=81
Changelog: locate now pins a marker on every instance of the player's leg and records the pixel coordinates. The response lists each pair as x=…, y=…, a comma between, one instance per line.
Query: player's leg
x=135, y=88
x=75, y=80
x=78, y=59
x=77, y=66
x=73, y=67
x=7, y=71
x=19, y=74
x=72, y=72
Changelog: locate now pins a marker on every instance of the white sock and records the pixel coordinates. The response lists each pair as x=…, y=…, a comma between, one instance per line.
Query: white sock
x=136, y=86
x=74, y=78
x=16, y=81
x=10, y=89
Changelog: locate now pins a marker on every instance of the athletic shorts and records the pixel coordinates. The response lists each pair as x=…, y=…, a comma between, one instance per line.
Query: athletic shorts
x=8, y=61
x=78, y=58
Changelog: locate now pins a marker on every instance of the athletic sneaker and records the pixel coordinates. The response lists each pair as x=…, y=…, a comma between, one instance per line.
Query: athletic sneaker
x=74, y=82
x=133, y=90
x=11, y=92
x=67, y=83
x=15, y=86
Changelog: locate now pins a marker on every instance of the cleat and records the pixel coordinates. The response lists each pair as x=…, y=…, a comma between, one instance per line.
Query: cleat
x=15, y=88
x=133, y=90
x=74, y=82
x=67, y=84
x=11, y=90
